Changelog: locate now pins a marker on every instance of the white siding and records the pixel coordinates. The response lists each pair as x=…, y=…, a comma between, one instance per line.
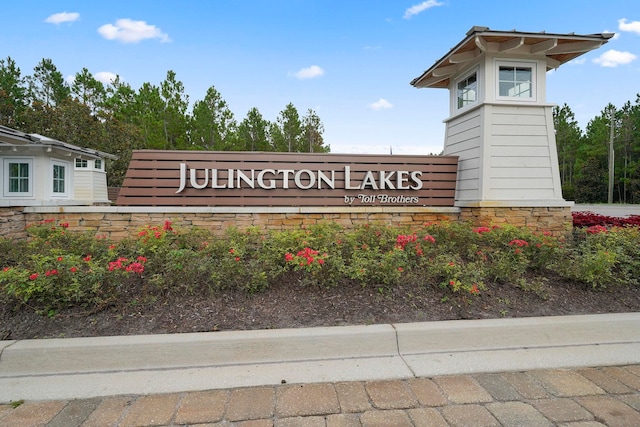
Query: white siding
x=463, y=139
x=520, y=139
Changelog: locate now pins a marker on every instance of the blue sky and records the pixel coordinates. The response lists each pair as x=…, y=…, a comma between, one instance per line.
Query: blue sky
x=349, y=61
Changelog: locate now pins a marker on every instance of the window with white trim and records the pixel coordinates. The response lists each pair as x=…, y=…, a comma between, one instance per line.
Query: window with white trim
x=97, y=164
x=516, y=80
x=467, y=90
x=59, y=179
x=18, y=177
x=82, y=163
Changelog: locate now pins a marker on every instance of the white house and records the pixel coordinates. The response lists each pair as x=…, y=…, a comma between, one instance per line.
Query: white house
x=40, y=171
x=499, y=123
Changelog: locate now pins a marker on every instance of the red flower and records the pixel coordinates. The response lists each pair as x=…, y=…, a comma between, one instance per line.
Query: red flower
x=237, y=258
x=167, y=226
x=64, y=225
x=73, y=269
x=60, y=258
x=429, y=238
x=232, y=251
x=288, y=257
x=320, y=261
x=142, y=259
x=518, y=242
x=481, y=230
x=474, y=289
x=34, y=276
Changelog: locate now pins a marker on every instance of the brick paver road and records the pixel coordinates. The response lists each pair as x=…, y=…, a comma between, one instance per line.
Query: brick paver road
x=586, y=397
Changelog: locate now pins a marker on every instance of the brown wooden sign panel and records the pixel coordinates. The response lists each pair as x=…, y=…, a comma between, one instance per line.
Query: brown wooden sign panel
x=225, y=178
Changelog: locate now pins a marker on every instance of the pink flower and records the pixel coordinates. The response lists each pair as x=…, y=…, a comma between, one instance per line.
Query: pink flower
x=481, y=230
x=429, y=238
x=142, y=259
x=518, y=242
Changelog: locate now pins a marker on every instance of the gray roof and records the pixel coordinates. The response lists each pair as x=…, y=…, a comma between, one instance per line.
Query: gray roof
x=10, y=136
x=556, y=48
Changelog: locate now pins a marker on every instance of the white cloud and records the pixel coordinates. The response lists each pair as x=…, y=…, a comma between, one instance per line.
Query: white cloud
x=578, y=61
x=105, y=77
x=633, y=26
x=613, y=58
x=59, y=18
x=130, y=31
x=381, y=104
x=309, y=72
x=419, y=8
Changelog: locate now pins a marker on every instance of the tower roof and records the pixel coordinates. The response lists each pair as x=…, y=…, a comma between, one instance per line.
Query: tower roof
x=557, y=48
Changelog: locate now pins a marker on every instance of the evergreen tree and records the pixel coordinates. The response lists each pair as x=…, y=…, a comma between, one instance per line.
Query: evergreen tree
x=212, y=125
x=312, y=133
x=47, y=85
x=253, y=133
x=13, y=93
x=568, y=137
x=174, y=113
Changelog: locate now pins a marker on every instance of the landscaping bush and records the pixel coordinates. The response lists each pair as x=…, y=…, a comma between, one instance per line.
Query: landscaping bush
x=58, y=269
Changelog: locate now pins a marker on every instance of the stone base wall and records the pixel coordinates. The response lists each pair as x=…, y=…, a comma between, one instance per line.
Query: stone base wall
x=557, y=220
x=118, y=222
x=12, y=223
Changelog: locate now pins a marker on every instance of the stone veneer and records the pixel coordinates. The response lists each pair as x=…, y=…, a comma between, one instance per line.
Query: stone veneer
x=118, y=222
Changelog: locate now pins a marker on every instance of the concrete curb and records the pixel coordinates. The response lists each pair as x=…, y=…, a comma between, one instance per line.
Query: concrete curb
x=92, y=367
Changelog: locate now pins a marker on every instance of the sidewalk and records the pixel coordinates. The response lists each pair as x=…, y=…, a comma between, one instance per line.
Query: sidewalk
x=571, y=370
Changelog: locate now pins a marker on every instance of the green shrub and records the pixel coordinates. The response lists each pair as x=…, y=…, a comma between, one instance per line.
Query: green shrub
x=57, y=269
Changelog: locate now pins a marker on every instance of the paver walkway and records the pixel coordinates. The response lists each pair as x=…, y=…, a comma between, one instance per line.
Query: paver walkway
x=584, y=397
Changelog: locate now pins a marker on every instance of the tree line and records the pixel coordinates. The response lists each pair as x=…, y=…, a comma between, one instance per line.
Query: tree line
x=117, y=119
x=584, y=156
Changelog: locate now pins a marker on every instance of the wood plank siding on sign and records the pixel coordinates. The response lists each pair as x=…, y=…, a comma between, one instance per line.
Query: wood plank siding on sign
x=153, y=179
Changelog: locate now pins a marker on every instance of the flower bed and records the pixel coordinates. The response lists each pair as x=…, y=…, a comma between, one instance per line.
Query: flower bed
x=58, y=269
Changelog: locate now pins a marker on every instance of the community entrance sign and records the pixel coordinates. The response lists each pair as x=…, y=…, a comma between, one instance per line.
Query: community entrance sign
x=199, y=178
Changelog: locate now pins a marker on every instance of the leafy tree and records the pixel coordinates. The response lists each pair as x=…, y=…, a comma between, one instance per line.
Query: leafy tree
x=13, y=93
x=591, y=184
x=212, y=125
x=253, y=133
x=122, y=138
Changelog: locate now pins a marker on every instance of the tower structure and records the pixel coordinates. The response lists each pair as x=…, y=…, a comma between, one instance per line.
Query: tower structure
x=500, y=124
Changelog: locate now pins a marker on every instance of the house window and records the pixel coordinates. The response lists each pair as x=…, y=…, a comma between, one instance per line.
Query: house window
x=467, y=90
x=97, y=164
x=59, y=179
x=18, y=177
x=516, y=81
x=82, y=163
